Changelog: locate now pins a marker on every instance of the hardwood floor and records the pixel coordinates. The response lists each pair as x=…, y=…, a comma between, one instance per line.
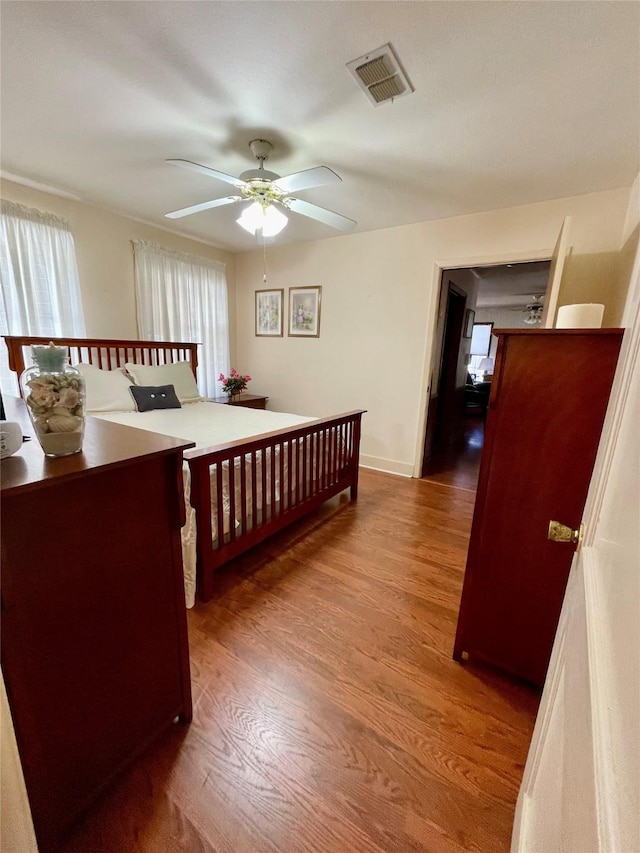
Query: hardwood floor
x=328, y=713
x=459, y=465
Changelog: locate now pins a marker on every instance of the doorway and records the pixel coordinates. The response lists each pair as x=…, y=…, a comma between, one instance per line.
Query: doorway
x=501, y=294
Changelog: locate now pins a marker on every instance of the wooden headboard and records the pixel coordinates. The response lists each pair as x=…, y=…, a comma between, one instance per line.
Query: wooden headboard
x=105, y=353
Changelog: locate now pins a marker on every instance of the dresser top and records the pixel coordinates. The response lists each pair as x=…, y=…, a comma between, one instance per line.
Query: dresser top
x=105, y=445
x=557, y=333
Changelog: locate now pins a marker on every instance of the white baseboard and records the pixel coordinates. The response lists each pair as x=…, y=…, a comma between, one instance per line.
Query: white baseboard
x=388, y=466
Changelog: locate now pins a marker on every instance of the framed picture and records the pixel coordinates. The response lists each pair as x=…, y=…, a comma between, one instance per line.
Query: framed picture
x=469, y=317
x=304, y=312
x=269, y=313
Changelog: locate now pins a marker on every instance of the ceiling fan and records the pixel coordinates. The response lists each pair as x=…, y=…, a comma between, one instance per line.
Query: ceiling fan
x=532, y=311
x=269, y=194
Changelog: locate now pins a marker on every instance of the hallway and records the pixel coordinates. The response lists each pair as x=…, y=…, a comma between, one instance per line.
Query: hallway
x=459, y=465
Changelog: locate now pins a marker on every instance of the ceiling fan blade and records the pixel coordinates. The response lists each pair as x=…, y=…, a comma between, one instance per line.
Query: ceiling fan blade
x=206, y=170
x=319, y=176
x=335, y=220
x=205, y=205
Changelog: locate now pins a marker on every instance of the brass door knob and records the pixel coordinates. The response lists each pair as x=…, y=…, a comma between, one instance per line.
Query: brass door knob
x=561, y=533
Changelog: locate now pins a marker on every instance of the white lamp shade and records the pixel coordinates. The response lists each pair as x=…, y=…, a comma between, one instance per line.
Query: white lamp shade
x=271, y=220
x=251, y=218
x=582, y=316
x=487, y=365
x=274, y=222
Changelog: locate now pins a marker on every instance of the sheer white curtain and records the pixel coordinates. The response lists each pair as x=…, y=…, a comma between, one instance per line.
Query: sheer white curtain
x=39, y=285
x=183, y=297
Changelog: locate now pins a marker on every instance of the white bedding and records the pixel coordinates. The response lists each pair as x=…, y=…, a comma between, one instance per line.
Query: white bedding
x=207, y=424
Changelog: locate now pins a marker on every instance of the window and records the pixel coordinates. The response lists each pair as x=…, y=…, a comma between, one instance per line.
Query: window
x=481, y=339
x=184, y=298
x=39, y=285
x=482, y=350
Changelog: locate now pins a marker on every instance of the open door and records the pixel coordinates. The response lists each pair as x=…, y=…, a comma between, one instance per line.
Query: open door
x=555, y=276
x=581, y=784
x=445, y=417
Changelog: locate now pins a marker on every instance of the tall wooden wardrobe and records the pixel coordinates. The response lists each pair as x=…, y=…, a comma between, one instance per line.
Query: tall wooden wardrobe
x=548, y=401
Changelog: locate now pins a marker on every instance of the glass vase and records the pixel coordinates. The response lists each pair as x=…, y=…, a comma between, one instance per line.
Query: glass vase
x=55, y=396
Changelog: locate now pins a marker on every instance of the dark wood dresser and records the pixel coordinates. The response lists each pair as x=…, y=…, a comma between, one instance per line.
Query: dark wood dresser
x=94, y=634
x=548, y=401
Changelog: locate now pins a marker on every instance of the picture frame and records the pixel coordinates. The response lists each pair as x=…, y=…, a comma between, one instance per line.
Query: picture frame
x=304, y=312
x=269, y=313
x=469, y=319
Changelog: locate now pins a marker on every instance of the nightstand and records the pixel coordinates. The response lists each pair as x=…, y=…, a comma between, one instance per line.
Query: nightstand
x=249, y=401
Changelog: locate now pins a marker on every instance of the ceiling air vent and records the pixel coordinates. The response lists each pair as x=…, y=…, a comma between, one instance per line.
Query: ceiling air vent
x=380, y=75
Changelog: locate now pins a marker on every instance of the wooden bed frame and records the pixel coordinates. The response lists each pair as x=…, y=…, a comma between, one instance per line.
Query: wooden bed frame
x=326, y=453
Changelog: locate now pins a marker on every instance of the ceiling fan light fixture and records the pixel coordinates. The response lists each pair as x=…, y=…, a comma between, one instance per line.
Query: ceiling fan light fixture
x=269, y=220
x=251, y=218
x=273, y=223
x=534, y=315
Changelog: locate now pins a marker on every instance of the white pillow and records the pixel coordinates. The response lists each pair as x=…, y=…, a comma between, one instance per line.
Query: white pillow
x=179, y=375
x=106, y=390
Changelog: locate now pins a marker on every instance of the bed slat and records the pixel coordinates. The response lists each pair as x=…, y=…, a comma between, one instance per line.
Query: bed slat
x=309, y=463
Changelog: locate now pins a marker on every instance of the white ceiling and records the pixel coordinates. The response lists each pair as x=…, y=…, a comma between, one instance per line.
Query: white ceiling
x=515, y=102
x=509, y=285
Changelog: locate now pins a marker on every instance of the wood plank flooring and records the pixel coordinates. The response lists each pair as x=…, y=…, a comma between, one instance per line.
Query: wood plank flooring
x=328, y=713
x=459, y=465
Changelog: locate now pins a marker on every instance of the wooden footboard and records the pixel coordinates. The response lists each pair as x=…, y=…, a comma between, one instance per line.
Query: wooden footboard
x=244, y=491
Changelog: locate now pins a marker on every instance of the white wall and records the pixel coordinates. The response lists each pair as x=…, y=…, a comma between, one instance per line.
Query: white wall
x=378, y=309
x=631, y=233
x=632, y=217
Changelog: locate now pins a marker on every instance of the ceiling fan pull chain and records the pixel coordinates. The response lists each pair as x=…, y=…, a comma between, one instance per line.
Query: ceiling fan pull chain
x=264, y=266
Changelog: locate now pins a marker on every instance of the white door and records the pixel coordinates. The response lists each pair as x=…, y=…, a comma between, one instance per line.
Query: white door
x=16, y=827
x=555, y=275
x=581, y=787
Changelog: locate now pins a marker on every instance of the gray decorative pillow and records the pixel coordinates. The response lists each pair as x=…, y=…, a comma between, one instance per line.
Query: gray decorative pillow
x=149, y=397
